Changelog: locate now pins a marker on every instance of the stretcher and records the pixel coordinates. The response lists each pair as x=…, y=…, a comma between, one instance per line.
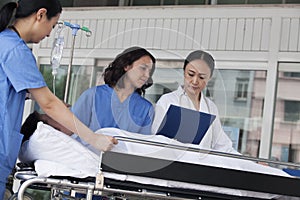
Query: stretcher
x=128, y=175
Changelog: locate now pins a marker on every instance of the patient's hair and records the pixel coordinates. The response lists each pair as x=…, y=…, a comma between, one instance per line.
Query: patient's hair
x=30, y=125
x=113, y=74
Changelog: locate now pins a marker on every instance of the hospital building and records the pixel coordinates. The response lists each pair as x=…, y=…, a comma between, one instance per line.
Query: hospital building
x=256, y=45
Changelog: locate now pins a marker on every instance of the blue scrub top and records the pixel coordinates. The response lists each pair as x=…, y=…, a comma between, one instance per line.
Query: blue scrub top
x=100, y=107
x=18, y=72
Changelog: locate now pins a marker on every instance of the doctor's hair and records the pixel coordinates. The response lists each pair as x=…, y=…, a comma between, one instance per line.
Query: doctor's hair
x=114, y=73
x=201, y=55
x=25, y=8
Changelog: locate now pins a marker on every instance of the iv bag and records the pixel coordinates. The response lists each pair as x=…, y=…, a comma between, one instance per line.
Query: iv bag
x=57, y=49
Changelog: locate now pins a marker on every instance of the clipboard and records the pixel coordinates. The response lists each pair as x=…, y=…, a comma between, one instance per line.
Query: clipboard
x=185, y=125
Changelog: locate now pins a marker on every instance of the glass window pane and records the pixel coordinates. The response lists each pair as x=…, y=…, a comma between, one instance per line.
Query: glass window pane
x=165, y=80
x=264, y=1
x=169, y=2
x=57, y=85
x=80, y=80
x=231, y=2
x=79, y=3
x=242, y=120
x=291, y=110
x=286, y=129
x=292, y=1
x=66, y=3
x=191, y=2
x=292, y=74
x=241, y=88
x=243, y=114
x=146, y=3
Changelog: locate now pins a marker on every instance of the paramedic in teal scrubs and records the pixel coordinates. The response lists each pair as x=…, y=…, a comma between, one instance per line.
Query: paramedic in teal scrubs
x=19, y=74
x=118, y=103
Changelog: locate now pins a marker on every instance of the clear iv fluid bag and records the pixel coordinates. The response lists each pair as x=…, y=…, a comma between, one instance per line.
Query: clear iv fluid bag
x=57, y=49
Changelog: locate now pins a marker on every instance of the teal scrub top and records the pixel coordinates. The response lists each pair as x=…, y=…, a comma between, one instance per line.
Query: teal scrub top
x=18, y=72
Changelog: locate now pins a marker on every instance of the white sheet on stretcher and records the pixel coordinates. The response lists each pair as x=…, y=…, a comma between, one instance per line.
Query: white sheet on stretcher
x=57, y=154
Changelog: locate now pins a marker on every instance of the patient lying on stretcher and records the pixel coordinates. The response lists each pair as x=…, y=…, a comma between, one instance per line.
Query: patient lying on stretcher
x=30, y=125
x=48, y=143
x=54, y=153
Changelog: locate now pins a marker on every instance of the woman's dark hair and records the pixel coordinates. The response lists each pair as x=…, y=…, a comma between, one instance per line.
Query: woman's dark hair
x=116, y=69
x=24, y=8
x=201, y=55
x=30, y=125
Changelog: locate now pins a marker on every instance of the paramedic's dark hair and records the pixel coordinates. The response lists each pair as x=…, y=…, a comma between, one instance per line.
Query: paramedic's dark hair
x=114, y=72
x=25, y=8
x=201, y=55
x=30, y=125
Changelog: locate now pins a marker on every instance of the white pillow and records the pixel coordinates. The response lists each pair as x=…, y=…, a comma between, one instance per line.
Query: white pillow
x=50, y=144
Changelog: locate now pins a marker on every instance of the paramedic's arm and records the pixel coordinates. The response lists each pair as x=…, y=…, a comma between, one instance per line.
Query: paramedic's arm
x=56, y=109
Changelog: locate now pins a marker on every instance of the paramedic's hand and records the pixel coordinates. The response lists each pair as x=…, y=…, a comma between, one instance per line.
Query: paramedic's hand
x=102, y=142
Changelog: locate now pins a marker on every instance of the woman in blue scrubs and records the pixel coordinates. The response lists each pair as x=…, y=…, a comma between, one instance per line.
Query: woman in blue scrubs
x=19, y=74
x=118, y=103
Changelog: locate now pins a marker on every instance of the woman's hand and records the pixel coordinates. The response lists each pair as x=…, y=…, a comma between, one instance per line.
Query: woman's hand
x=102, y=142
x=58, y=111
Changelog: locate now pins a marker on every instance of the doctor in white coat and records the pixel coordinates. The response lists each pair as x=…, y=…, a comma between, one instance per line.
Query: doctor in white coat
x=198, y=69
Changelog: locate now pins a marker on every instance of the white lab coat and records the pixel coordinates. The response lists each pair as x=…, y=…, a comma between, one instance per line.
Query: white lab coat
x=215, y=138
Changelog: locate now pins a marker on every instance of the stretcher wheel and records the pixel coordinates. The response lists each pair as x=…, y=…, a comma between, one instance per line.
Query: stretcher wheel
x=26, y=196
x=7, y=194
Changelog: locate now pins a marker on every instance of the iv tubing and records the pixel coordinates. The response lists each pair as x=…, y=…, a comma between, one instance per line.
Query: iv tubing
x=53, y=84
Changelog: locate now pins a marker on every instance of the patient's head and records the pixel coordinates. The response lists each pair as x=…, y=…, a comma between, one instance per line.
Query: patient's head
x=30, y=124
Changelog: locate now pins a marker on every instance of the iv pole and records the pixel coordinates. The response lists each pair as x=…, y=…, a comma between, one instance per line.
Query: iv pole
x=75, y=28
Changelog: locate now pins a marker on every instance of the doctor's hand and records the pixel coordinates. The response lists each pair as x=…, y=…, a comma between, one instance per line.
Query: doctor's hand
x=102, y=142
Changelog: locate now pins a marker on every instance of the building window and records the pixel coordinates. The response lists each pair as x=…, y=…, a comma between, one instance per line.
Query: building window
x=291, y=111
x=100, y=3
x=166, y=2
x=241, y=89
x=292, y=74
x=165, y=80
x=285, y=144
x=57, y=84
x=89, y=3
x=82, y=78
x=209, y=91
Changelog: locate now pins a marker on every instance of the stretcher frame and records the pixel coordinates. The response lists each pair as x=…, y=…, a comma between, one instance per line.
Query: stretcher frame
x=198, y=174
